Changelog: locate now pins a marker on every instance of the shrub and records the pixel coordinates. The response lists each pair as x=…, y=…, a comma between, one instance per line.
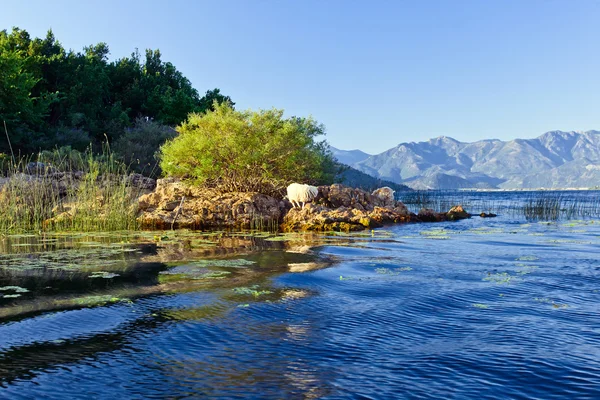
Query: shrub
x=248, y=151
x=138, y=146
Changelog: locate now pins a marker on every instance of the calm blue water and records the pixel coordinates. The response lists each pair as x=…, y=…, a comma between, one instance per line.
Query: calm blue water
x=481, y=308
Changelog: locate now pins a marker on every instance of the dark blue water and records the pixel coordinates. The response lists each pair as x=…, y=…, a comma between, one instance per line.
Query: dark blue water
x=481, y=308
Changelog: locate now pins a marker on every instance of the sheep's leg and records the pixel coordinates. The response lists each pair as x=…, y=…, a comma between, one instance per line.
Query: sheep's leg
x=294, y=203
x=303, y=203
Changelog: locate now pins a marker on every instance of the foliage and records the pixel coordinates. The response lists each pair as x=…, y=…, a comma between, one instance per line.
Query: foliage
x=248, y=151
x=51, y=97
x=138, y=146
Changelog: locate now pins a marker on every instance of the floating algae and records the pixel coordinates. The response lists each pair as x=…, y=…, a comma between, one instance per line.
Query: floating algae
x=502, y=277
x=436, y=234
x=389, y=271
x=527, y=258
x=16, y=291
x=251, y=291
x=187, y=271
x=545, y=300
x=526, y=269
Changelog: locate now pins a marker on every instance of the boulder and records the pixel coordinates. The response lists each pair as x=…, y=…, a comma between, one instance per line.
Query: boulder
x=487, y=215
x=456, y=213
x=428, y=215
x=140, y=182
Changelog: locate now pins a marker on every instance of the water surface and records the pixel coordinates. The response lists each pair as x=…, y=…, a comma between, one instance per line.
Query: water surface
x=480, y=308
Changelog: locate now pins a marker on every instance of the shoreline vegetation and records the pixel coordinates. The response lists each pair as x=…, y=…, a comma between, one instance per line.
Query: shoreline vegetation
x=86, y=192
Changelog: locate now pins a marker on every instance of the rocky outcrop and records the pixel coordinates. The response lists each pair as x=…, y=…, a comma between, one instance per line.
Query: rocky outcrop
x=175, y=204
x=342, y=208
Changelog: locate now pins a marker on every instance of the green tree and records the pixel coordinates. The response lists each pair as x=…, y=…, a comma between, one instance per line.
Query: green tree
x=248, y=151
x=137, y=146
x=207, y=102
x=50, y=96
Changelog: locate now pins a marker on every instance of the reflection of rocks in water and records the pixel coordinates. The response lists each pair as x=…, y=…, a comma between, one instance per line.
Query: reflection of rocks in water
x=94, y=273
x=300, y=249
x=210, y=246
x=294, y=294
x=305, y=267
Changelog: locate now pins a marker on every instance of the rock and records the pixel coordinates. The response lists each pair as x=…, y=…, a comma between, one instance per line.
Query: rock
x=341, y=208
x=338, y=195
x=488, y=215
x=206, y=208
x=140, y=182
x=314, y=217
x=38, y=168
x=456, y=213
x=428, y=215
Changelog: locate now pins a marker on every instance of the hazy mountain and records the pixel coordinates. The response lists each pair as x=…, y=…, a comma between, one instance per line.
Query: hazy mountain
x=349, y=157
x=355, y=178
x=554, y=160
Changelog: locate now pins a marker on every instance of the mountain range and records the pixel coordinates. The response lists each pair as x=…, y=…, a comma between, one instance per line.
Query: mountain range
x=555, y=160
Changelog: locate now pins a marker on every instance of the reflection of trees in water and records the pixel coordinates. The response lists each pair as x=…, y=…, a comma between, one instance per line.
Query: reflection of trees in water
x=282, y=373
x=25, y=362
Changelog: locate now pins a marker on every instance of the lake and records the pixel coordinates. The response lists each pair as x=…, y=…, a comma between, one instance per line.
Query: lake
x=481, y=308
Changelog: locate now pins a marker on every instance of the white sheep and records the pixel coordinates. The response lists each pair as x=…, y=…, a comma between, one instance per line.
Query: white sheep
x=298, y=193
x=386, y=194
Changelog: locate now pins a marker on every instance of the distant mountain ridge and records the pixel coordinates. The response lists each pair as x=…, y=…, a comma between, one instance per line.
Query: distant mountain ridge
x=349, y=157
x=555, y=160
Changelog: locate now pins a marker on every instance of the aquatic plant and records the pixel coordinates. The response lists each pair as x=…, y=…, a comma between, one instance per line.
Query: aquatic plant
x=532, y=205
x=251, y=291
x=501, y=278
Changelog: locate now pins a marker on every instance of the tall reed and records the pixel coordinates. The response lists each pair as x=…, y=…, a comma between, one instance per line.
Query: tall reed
x=531, y=205
x=67, y=190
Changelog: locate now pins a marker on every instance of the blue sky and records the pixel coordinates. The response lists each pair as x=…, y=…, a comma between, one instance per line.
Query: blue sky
x=375, y=73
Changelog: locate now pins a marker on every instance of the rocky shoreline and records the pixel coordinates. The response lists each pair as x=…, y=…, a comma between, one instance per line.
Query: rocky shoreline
x=174, y=204
x=171, y=204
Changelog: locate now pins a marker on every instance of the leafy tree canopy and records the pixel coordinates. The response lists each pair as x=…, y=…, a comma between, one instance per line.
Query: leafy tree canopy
x=48, y=93
x=248, y=150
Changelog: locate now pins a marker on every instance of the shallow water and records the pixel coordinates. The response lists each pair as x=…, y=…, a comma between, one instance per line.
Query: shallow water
x=480, y=308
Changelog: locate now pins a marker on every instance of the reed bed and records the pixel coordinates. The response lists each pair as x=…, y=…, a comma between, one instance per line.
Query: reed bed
x=531, y=205
x=66, y=191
